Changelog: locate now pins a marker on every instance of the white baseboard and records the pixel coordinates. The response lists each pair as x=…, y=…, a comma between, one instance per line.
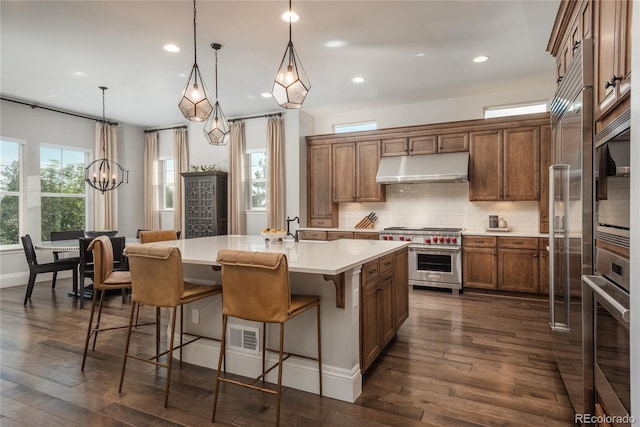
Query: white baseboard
x=301, y=374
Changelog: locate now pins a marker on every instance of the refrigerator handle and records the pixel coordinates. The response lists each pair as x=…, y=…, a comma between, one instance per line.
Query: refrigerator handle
x=553, y=227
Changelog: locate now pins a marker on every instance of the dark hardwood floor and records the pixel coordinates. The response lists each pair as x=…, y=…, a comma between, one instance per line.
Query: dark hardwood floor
x=472, y=360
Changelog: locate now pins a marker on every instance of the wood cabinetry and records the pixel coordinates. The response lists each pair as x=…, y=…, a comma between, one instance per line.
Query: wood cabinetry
x=312, y=235
x=205, y=210
x=354, y=172
x=518, y=264
x=426, y=144
x=612, y=56
x=400, y=287
x=545, y=161
x=322, y=211
x=505, y=164
x=543, y=266
x=575, y=18
x=337, y=234
x=479, y=262
x=384, y=303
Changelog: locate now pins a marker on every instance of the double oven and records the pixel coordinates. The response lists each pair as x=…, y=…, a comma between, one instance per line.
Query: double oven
x=606, y=308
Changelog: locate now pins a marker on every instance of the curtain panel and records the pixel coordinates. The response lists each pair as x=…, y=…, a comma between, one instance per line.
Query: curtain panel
x=151, y=214
x=105, y=212
x=181, y=153
x=276, y=194
x=236, y=196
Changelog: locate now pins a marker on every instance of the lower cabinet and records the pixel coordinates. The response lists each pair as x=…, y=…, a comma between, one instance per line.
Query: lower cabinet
x=335, y=235
x=384, y=303
x=518, y=264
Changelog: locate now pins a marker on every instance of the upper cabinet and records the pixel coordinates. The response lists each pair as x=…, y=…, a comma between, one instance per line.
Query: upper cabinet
x=425, y=144
x=354, y=172
x=505, y=164
x=573, y=24
x=545, y=162
x=612, y=27
x=322, y=211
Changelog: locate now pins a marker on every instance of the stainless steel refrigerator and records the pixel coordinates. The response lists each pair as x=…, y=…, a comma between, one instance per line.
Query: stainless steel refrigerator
x=571, y=189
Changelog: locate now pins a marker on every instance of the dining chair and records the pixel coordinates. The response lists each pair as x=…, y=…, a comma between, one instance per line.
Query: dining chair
x=98, y=233
x=150, y=236
x=255, y=287
x=87, y=265
x=157, y=280
x=105, y=278
x=63, y=235
x=35, y=268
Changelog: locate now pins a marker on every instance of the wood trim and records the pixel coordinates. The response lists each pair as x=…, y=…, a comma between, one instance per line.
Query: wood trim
x=564, y=17
x=338, y=282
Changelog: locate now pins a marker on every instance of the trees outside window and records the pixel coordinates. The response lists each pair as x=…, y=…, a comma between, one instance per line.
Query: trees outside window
x=257, y=169
x=167, y=184
x=62, y=190
x=10, y=191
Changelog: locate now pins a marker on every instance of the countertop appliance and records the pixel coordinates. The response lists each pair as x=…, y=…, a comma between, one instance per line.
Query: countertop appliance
x=571, y=188
x=435, y=256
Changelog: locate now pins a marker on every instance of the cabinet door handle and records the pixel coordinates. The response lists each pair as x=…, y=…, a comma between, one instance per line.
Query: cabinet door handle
x=495, y=253
x=559, y=79
x=515, y=242
x=575, y=45
x=612, y=82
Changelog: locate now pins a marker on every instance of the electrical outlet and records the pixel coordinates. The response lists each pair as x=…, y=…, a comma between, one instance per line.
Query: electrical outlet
x=195, y=315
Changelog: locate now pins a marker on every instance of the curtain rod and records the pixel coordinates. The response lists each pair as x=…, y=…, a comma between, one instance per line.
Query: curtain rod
x=265, y=116
x=169, y=128
x=55, y=110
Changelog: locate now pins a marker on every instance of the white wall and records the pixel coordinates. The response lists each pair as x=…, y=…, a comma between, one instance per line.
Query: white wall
x=444, y=110
x=37, y=126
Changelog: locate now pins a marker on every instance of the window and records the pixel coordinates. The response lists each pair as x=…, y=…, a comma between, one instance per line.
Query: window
x=355, y=127
x=257, y=181
x=515, y=110
x=167, y=184
x=62, y=190
x=10, y=191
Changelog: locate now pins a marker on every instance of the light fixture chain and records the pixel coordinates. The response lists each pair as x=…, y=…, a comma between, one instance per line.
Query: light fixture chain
x=290, y=21
x=217, y=75
x=195, y=48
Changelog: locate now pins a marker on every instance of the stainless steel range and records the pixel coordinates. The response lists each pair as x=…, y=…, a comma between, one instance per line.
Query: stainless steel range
x=435, y=256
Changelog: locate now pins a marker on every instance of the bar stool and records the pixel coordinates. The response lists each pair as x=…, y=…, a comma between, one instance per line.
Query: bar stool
x=157, y=280
x=255, y=287
x=104, y=279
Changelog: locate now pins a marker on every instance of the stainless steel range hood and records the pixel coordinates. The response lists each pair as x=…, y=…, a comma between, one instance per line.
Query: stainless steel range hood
x=445, y=167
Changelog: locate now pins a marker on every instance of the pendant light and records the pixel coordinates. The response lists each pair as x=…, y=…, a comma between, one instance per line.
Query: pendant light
x=105, y=174
x=291, y=84
x=194, y=104
x=217, y=127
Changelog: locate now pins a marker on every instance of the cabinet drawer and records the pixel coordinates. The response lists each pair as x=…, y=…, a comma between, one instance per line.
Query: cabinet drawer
x=518, y=242
x=370, y=271
x=366, y=235
x=317, y=222
x=386, y=263
x=395, y=147
x=543, y=242
x=335, y=235
x=479, y=241
x=312, y=235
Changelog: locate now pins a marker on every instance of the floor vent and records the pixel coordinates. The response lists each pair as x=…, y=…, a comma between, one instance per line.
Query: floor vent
x=243, y=338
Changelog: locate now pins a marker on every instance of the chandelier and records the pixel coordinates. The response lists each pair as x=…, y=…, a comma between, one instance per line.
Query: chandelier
x=291, y=84
x=194, y=103
x=105, y=174
x=217, y=127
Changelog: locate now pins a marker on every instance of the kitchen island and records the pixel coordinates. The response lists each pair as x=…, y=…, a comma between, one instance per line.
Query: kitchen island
x=331, y=269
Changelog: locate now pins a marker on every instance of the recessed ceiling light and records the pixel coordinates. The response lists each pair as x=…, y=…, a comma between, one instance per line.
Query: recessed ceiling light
x=290, y=16
x=171, y=48
x=335, y=43
x=481, y=58
x=80, y=74
x=419, y=54
x=265, y=95
x=358, y=79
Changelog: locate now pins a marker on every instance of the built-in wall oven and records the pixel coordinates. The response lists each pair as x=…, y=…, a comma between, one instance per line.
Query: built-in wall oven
x=435, y=256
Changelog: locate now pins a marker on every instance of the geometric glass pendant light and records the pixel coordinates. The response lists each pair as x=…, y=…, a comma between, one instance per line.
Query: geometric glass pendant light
x=105, y=174
x=217, y=127
x=194, y=103
x=291, y=84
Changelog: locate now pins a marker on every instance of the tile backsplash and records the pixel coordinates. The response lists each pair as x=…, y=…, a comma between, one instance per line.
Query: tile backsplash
x=440, y=205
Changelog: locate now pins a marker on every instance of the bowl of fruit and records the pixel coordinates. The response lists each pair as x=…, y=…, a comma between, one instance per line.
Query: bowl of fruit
x=273, y=235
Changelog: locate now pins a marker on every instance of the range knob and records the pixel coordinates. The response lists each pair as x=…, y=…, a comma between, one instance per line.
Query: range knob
x=447, y=239
x=427, y=240
x=454, y=239
x=384, y=237
x=441, y=239
x=389, y=237
x=408, y=239
x=402, y=238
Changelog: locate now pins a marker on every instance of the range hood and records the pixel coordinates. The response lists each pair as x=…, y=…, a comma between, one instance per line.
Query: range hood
x=445, y=167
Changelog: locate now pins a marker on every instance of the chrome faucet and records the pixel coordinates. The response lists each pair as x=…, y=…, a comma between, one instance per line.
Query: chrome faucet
x=289, y=221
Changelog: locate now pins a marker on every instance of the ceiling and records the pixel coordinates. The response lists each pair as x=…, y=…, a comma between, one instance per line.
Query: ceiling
x=57, y=53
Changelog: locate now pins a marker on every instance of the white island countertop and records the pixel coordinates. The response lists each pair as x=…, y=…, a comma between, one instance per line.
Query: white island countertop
x=315, y=257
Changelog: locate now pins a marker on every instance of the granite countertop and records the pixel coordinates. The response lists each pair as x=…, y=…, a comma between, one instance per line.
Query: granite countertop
x=315, y=257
